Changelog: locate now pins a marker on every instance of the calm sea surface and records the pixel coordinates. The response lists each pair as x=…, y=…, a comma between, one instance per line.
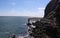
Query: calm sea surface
x=12, y=24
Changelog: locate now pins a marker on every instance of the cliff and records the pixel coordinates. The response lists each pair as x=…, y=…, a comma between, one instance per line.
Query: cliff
x=47, y=27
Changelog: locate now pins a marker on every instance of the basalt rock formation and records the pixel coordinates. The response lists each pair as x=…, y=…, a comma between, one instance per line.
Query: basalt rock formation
x=49, y=25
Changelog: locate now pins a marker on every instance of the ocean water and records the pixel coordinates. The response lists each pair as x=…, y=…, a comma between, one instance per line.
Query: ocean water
x=12, y=25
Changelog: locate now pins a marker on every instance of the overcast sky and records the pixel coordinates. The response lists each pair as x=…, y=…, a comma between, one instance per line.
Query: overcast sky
x=23, y=7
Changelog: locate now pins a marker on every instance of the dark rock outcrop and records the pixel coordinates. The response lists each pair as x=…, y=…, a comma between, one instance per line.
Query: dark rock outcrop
x=48, y=27
x=51, y=6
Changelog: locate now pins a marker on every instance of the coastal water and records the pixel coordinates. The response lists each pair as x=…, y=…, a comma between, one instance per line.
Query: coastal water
x=12, y=24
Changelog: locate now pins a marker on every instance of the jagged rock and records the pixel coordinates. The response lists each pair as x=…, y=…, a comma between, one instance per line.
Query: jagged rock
x=48, y=27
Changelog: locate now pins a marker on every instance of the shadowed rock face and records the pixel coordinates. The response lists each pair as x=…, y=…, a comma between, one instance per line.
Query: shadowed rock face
x=46, y=27
x=58, y=16
x=51, y=6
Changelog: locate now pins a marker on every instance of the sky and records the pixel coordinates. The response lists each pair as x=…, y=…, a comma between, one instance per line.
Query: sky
x=33, y=8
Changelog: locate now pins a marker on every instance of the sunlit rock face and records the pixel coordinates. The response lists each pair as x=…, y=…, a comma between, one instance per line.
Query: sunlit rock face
x=31, y=26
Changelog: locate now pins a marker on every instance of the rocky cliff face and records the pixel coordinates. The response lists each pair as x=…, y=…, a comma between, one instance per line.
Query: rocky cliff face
x=50, y=7
x=47, y=27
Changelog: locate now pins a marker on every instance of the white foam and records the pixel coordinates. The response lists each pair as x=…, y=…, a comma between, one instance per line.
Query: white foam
x=33, y=26
x=24, y=24
x=20, y=37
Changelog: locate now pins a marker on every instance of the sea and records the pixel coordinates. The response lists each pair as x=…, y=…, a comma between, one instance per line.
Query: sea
x=13, y=25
